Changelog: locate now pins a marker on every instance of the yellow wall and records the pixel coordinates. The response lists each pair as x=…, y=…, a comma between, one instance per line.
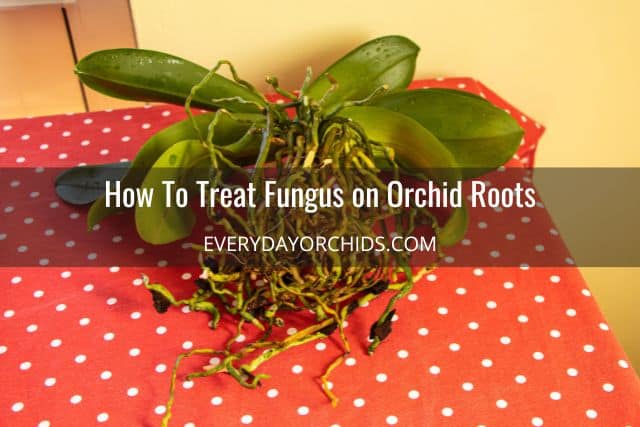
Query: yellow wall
x=36, y=76
x=572, y=65
x=25, y=85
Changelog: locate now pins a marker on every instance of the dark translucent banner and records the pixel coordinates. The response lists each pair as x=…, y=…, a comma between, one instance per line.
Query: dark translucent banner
x=305, y=214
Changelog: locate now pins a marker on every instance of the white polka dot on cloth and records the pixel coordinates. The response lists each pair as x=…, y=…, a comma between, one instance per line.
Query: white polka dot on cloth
x=537, y=422
x=414, y=394
x=391, y=420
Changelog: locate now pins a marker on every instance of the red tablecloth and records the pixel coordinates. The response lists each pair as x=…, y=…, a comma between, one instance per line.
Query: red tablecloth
x=495, y=346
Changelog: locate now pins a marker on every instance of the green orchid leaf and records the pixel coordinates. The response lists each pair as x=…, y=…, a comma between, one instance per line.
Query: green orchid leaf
x=228, y=130
x=389, y=60
x=480, y=136
x=162, y=221
x=415, y=149
x=457, y=92
x=456, y=226
x=84, y=184
x=147, y=75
